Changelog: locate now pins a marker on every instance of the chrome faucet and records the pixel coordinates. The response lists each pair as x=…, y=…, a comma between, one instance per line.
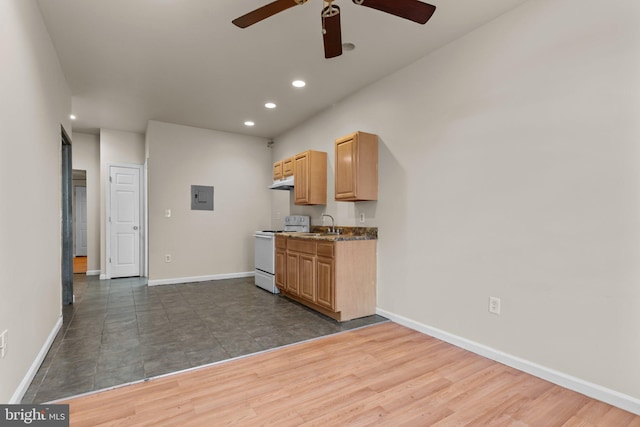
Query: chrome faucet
x=333, y=225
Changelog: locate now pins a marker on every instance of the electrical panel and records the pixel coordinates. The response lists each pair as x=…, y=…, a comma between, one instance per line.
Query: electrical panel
x=201, y=198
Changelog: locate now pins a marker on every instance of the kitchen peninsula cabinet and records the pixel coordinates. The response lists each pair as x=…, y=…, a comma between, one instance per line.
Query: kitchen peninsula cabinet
x=325, y=285
x=336, y=278
x=356, y=167
x=310, y=177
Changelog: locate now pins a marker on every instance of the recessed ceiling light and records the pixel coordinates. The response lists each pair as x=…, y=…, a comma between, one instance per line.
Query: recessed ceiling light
x=270, y=105
x=249, y=123
x=72, y=117
x=298, y=83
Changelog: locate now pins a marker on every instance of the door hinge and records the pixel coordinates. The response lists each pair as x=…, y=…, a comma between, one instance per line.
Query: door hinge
x=109, y=260
x=109, y=219
x=110, y=179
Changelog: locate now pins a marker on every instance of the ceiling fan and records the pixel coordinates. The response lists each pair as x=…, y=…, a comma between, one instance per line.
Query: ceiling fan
x=413, y=10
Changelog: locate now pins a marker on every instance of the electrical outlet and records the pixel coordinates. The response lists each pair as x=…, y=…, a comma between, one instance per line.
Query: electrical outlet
x=167, y=213
x=494, y=305
x=361, y=216
x=3, y=343
x=167, y=258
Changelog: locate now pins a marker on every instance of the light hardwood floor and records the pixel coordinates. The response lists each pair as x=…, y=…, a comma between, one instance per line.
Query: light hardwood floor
x=383, y=374
x=80, y=264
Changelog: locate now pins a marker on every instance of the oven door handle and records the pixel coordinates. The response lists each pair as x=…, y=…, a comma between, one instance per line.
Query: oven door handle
x=263, y=237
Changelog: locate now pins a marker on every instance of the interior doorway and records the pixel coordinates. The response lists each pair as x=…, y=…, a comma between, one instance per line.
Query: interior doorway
x=67, y=226
x=80, y=238
x=124, y=213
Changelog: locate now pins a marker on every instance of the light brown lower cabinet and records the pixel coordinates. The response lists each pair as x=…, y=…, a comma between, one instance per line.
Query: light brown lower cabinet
x=293, y=273
x=325, y=295
x=281, y=262
x=337, y=279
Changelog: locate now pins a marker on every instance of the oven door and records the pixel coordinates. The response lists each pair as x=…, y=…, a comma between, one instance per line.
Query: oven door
x=265, y=252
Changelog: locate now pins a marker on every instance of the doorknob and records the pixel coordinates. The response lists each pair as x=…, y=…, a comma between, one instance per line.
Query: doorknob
x=135, y=227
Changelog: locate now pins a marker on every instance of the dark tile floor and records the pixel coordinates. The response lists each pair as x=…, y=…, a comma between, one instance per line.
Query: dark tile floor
x=120, y=331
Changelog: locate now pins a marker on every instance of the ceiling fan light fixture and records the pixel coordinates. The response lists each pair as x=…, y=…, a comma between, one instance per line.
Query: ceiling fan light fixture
x=270, y=105
x=249, y=123
x=413, y=10
x=298, y=83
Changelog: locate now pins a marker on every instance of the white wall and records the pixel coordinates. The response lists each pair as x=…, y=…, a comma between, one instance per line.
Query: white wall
x=205, y=243
x=35, y=102
x=115, y=147
x=509, y=167
x=86, y=156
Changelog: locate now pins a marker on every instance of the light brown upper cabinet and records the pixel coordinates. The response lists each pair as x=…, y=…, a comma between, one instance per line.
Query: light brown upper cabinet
x=310, y=177
x=287, y=167
x=356, y=173
x=277, y=170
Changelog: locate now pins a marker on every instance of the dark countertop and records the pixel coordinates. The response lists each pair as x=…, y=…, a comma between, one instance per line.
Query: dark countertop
x=346, y=233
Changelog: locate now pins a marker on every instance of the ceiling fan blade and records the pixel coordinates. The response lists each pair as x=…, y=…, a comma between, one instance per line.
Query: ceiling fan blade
x=331, y=32
x=412, y=10
x=264, y=12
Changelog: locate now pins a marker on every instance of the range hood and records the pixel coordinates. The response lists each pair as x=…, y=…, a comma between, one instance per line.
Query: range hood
x=282, y=184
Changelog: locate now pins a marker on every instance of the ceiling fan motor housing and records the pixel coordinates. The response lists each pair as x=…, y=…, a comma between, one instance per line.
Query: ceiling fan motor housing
x=330, y=10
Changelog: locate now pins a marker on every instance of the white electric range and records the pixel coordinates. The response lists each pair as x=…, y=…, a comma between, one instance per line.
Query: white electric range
x=265, y=247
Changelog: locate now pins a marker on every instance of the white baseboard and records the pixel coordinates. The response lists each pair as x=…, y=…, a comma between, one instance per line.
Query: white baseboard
x=103, y=277
x=595, y=391
x=177, y=280
x=33, y=370
x=93, y=272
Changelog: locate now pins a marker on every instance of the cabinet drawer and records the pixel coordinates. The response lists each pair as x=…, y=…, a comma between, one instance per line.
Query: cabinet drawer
x=325, y=250
x=281, y=242
x=304, y=246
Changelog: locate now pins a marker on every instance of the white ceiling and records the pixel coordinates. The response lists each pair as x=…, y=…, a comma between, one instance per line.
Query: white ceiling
x=182, y=61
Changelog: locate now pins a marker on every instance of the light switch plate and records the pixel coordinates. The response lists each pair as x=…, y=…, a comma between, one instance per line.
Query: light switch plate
x=494, y=305
x=3, y=343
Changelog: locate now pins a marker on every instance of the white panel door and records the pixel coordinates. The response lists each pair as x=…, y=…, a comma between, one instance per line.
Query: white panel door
x=124, y=221
x=81, y=221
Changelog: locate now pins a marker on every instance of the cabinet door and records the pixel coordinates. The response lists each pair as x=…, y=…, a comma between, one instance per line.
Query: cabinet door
x=281, y=269
x=301, y=174
x=307, y=276
x=287, y=167
x=325, y=284
x=356, y=169
x=310, y=175
x=277, y=170
x=293, y=281
x=346, y=159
